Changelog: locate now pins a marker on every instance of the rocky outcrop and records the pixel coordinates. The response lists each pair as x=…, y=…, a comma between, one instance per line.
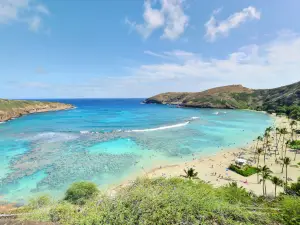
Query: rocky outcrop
x=232, y=97
x=10, y=109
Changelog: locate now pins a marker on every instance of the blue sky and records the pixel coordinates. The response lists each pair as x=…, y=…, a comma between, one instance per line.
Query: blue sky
x=136, y=48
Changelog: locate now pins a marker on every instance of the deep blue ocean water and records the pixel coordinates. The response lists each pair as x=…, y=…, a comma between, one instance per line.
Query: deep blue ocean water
x=106, y=140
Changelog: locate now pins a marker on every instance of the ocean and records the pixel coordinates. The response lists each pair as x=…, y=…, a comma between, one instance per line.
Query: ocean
x=108, y=140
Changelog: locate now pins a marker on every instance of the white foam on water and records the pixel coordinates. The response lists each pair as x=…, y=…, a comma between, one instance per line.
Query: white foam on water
x=84, y=132
x=194, y=118
x=162, y=127
x=53, y=137
x=216, y=113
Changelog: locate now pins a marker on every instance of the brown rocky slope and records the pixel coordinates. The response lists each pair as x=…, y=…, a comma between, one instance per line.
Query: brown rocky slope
x=10, y=109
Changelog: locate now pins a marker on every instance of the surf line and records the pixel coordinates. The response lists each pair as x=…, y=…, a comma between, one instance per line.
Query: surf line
x=165, y=127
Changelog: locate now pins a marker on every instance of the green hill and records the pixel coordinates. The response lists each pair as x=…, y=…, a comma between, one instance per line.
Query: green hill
x=233, y=97
x=165, y=201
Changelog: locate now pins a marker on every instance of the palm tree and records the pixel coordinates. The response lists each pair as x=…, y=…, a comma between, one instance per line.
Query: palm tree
x=277, y=182
x=286, y=162
x=286, y=145
x=283, y=131
x=278, y=131
x=296, y=152
x=292, y=124
x=259, y=138
x=258, y=152
x=190, y=174
x=266, y=174
x=266, y=144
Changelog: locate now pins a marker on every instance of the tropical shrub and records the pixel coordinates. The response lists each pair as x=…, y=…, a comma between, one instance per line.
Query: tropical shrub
x=294, y=188
x=289, y=211
x=63, y=213
x=295, y=144
x=245, y=171
x=80, y=192
x=39, y=201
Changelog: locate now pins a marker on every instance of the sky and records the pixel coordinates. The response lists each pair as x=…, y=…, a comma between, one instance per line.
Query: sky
x=137, y=48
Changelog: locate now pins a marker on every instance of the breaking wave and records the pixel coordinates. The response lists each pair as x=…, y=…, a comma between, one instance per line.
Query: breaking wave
x=162, y=127
x=53, y=137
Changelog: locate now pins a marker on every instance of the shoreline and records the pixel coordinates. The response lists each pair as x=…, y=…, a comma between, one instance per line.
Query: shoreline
x=8, y=116
x=213, y=169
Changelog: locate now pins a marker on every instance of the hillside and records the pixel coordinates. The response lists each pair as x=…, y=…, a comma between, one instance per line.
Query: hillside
x=162, y=201
x=10, y=109
x=233, y=97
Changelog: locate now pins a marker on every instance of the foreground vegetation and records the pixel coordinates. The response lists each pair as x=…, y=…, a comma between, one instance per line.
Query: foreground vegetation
x=165, y=201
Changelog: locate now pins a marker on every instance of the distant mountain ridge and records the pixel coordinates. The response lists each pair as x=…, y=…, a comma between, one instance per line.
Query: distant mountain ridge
x=10, y=109
x=233, y=97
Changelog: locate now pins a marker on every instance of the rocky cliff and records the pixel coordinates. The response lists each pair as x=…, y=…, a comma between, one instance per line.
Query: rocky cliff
x=15, y=108
x=233, y=97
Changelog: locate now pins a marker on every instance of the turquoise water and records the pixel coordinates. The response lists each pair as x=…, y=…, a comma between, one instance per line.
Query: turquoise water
x=106, y=140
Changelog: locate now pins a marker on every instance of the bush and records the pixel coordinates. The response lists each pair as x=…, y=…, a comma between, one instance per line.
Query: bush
x=168, y=201
x=289, y=211
x=234, y=194
x=39, y=201
x=80, y=192
x=294, y=188
x=177, y=201
x=63, y=213
x=295, y=144
x=245, y=171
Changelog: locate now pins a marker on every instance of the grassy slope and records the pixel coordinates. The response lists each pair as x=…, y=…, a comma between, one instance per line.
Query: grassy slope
x=233, y=96
x=15, y=108
x=173, y=201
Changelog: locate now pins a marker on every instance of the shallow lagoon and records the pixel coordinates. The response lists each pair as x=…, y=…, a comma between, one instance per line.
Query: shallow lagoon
x=105, y=140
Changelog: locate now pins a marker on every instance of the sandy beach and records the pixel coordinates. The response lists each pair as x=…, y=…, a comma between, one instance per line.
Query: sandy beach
x=213, y=169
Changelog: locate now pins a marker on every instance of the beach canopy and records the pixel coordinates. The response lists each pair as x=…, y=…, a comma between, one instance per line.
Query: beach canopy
x=240, y=161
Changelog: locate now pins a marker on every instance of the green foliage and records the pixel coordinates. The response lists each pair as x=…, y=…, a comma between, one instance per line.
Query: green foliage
x=245, y=171
x=294, y=188
x=292, y=111
x=40, y=201
x=63, y=213
x=295, y=144
x=174, y=201
x=289, y=211
x=80, y=192
x=190, y=174
x=234, y=194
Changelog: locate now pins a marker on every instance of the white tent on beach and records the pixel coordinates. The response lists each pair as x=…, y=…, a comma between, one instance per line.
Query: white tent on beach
x=240, y=161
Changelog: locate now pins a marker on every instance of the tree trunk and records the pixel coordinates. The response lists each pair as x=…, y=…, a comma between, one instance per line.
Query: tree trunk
x=278, y=144
x=257, y=168
x=282, y=147
x=275, y=190
x=265, y=188
x=286, y=176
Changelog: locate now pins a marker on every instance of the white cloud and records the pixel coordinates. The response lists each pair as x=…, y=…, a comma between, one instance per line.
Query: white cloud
x=215, y=28
x=269, y=65
x=24, y=11
x=42, y=9
x=170, y=17
x=34, y=23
